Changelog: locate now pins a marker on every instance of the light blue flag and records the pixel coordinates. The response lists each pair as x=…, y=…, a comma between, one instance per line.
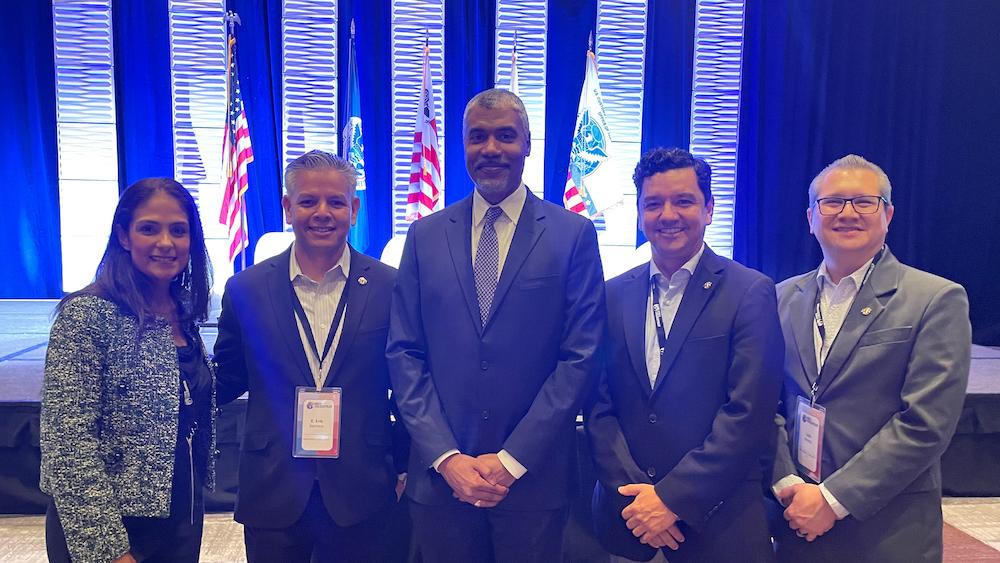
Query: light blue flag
x=354, y=150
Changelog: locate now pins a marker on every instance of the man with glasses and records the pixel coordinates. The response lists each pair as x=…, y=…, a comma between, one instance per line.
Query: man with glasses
x=876, y=364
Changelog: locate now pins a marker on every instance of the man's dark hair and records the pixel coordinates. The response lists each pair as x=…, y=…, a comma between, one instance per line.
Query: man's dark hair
x=660, y=159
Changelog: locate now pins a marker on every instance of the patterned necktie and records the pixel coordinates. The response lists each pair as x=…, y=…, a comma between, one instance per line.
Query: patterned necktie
x=487, y=263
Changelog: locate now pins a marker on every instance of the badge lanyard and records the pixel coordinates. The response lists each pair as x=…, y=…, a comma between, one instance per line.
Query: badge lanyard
x=307, y=328
x=821, y=325
x=661, y=335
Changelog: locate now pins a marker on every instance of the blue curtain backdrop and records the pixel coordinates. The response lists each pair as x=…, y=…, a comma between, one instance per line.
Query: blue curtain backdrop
x=666, y=93
x=570, y=22
x=141, y=37
x=469, y=68
x=372, y=20
x=29, y=217
x=912, y=86
x=258, y=55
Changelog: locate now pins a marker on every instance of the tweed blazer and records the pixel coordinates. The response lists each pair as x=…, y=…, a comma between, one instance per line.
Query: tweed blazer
x=109, y=423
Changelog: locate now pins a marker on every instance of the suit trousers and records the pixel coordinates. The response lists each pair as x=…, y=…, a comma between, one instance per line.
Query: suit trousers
x=458, y=531
x=316, y=538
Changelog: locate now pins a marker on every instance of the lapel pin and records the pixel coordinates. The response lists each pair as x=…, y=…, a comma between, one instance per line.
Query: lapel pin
x=362, y=281
x=707, y=285
x=866, y=311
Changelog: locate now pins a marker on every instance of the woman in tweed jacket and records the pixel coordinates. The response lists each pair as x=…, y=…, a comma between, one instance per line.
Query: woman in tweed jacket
x=126, y=424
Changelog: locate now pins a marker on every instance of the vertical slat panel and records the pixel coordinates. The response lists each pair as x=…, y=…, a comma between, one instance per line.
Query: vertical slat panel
x=198, y=85
x=528, y=18
x=413, y=22
x=621, y=53
x=715, y=104
x=87, y=141
x=309, y=77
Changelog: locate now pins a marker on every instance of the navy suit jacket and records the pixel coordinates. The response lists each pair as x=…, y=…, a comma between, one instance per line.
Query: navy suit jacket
x=701, y=433
x=259, y=349
x=516, y=383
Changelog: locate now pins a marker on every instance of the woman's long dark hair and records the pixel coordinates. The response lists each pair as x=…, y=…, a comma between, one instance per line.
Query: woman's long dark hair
x=118, y=280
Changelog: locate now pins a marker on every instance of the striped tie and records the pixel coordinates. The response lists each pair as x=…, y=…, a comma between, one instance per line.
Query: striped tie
x=487, y=263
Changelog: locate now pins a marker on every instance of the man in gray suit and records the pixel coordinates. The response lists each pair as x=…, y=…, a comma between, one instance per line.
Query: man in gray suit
x=876, y=364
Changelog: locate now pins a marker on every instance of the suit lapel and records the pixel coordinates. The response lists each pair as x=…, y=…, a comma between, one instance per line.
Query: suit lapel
x=802, y=304
x=530, y=227
x=634, y=301
x=699, y=290
x=357, y=300
x=459, y=232
x=280, y=292
x=882, y=282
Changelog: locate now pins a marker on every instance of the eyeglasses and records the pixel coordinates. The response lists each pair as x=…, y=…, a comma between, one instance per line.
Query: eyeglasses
x=862, y=204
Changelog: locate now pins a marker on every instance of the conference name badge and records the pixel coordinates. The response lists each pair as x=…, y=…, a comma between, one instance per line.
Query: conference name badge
x=810, y=419
x=317, y=422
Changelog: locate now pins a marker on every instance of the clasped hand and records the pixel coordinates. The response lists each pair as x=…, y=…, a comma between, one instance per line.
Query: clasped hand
x=649, y=519
x=480, y=481
x=807, y=511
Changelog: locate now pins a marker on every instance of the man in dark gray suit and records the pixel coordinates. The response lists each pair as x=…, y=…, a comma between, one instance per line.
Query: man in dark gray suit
x=876, y=365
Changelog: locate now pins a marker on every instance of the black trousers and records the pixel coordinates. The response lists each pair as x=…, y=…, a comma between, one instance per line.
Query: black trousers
x=316, y=538
x=461, y=532
x=174, y=539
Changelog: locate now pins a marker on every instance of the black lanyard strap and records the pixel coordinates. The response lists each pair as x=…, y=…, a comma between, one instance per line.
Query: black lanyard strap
x=654, y=293
x=307, y=328
x=821, y=324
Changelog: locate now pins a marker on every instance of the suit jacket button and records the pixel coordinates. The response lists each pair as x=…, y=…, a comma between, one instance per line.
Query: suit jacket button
x=486, y=415
x=217, y=454
x=484, y=365
x=652, y=418
x=651, y=472
x=218, y=412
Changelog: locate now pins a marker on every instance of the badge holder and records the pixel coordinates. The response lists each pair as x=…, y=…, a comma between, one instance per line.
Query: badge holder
x=317, y=422
x=810, y=420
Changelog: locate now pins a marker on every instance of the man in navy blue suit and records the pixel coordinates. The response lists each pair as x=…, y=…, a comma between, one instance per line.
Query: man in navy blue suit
x=496, y=319
x=680, y=421
x=312, y=319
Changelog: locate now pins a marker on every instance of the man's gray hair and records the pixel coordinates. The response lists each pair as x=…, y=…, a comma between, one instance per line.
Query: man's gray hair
x=498, y=98
x=853, y=162
x=316, y=160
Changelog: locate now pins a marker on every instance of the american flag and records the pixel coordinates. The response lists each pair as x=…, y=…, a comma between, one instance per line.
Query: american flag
x=426, y=194
x=236, y=155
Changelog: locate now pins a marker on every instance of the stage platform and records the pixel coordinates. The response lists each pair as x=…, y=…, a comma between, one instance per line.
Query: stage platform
x=970, y=466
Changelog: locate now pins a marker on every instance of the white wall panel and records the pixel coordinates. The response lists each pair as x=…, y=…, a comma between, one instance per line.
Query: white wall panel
x=715, y=104
x=309, y=77
x=413, y=23
x=85, y=129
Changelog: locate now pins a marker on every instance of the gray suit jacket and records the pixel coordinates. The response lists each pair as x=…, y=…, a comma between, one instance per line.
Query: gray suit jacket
x=893, y=386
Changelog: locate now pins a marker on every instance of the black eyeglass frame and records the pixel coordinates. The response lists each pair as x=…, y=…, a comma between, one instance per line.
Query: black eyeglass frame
x=845, y=200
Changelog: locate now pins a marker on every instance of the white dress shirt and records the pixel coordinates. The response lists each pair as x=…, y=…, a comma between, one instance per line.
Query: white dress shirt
x=671, y=293
x=511, y=208
x=835, y=300
x=319, y=300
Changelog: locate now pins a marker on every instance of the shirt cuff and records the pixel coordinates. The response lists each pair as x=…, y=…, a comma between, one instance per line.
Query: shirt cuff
x=511, y=465
x=442, y=457
x=838, y=508
x=786, y=481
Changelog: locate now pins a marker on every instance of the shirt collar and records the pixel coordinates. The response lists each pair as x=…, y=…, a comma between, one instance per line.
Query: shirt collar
x=511, y=205
x=857, y=276
x=688, y=266
x=344, y=265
